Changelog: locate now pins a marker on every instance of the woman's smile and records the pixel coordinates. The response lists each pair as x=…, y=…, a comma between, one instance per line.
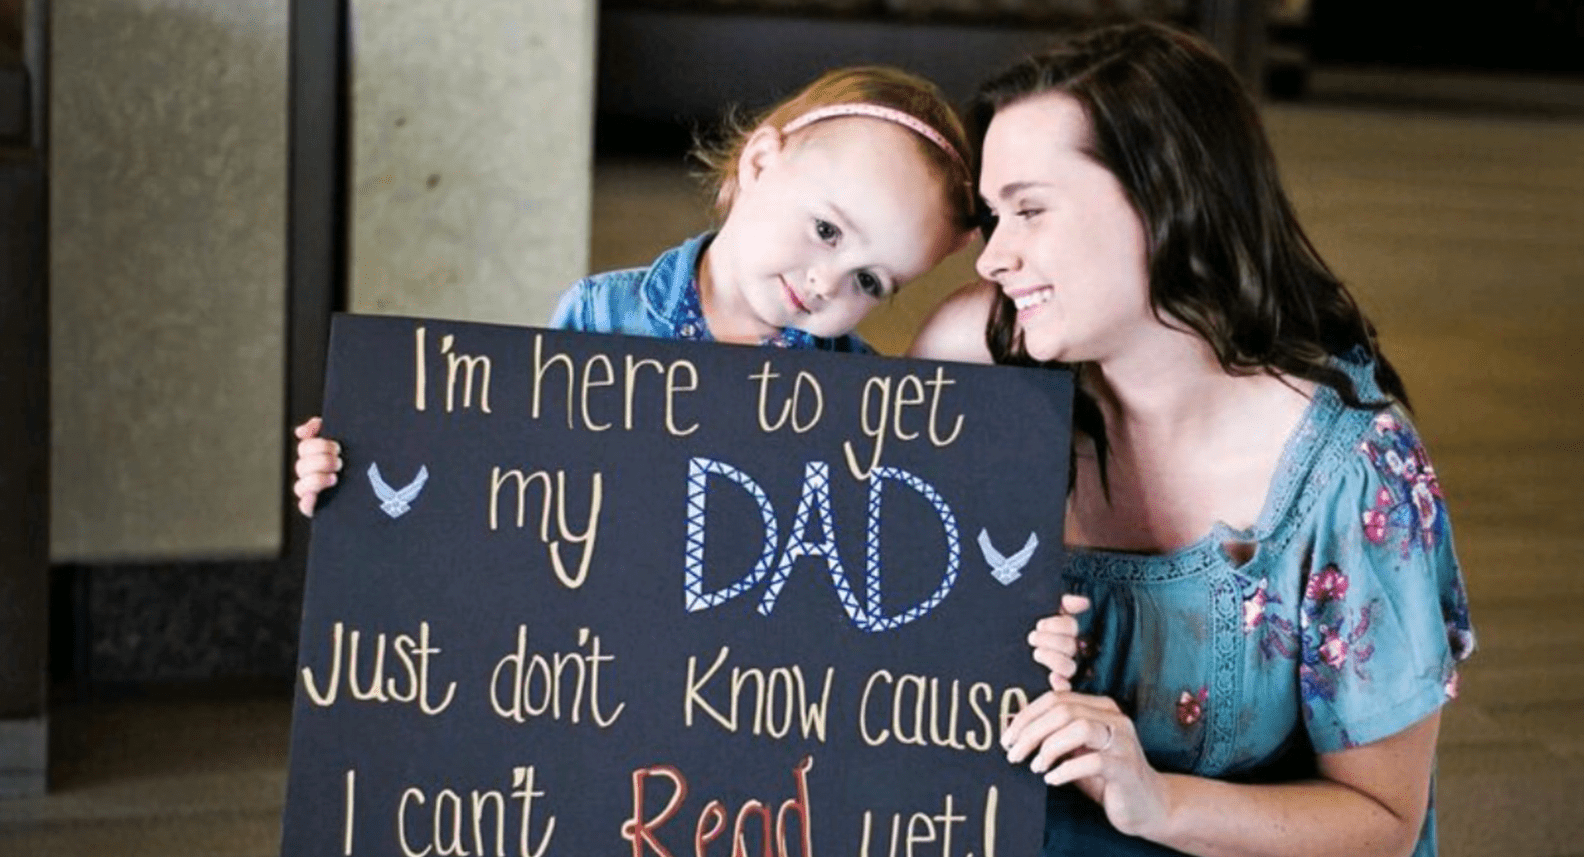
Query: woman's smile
x=1028, y=300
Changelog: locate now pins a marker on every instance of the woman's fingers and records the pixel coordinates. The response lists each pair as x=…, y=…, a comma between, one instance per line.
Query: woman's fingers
x=1054, y=641
x=1060, y=665
x=1073, y=604
x=1043, y=727
x=1059, y=631
x=1076, y=768
x=1090, y=734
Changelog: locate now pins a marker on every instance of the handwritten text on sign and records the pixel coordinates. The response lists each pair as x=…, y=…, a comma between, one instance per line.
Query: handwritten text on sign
x=581, y=594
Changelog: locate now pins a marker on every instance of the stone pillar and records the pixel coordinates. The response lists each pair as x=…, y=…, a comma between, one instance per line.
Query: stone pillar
x=472, y=139
x=167, y=270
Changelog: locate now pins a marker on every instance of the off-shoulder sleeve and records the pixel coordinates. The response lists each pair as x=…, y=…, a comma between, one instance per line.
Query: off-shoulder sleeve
x=1383, y=615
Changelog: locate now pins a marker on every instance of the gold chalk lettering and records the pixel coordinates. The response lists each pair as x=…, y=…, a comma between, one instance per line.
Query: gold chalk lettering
x=474, y=364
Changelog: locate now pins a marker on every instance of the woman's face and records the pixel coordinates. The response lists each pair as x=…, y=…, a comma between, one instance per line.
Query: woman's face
x=1067, y=248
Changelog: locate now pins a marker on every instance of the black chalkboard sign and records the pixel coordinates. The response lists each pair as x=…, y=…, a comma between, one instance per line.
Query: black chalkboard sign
x=594, y=595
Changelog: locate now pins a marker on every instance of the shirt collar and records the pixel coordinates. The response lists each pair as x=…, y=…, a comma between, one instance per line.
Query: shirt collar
x=670, y=293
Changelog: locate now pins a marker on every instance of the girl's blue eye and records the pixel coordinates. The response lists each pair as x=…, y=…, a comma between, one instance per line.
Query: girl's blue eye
x=826, y=230
x=870, y=285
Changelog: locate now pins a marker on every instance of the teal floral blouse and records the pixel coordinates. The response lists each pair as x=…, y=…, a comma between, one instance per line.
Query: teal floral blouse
x=1343, y=627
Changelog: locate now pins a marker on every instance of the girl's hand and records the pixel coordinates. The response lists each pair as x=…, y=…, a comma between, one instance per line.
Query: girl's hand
x=318, y=462
x=1086, y=740
x=1055, y=642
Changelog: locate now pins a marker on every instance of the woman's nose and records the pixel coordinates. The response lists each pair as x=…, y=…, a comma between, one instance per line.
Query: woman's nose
x=997, y=258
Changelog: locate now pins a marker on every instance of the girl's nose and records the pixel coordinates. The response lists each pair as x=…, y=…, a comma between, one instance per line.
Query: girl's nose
x=821, y=284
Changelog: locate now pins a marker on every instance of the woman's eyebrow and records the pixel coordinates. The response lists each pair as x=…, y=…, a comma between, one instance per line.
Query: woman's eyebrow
x=1015, y=188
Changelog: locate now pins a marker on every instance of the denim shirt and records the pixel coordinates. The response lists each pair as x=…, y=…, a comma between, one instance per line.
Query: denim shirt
x=662, y=300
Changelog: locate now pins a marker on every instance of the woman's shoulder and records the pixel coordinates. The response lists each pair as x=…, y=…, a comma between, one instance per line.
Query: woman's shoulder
x=1361, y=462
x=1348, y=428
x=955, y=330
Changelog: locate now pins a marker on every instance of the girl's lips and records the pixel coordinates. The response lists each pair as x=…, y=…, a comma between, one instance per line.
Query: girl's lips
x=792, y=297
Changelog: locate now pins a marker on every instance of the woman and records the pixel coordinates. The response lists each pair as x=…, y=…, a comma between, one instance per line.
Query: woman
x=1265, y=610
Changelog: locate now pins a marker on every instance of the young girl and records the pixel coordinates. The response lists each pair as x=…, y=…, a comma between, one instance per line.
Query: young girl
x=1265, y=612
x=829, y=203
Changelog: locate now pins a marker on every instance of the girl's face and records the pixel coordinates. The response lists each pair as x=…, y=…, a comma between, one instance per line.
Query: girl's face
x=1067, y=248
x=827, y=224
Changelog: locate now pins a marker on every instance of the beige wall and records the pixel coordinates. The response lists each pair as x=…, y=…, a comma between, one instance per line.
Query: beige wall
x=471, y=152
x=167, y=225
x=168, y=180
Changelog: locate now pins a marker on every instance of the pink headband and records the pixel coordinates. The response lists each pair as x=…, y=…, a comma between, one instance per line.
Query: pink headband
x=877, y=111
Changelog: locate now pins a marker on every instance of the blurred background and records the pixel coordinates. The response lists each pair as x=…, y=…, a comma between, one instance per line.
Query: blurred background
x=188, y=188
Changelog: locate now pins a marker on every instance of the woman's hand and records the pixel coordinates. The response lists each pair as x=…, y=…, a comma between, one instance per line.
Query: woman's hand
x=1055, y=642
x=318, y=462
x=1086, y=740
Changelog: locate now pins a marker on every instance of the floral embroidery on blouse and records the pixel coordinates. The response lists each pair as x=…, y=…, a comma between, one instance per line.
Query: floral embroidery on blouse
x=1409, y=503
x=1460, y=631
x=1336, y=640
x=1190, y=706
x=1262, y=618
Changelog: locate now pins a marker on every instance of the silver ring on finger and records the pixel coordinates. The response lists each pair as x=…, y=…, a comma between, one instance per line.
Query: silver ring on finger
x=1110, y=736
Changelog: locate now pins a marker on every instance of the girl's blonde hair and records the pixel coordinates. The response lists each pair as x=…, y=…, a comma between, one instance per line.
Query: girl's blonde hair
x=878, y=85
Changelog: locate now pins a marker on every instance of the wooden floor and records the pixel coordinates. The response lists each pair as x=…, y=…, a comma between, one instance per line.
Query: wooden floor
x=1461, y=234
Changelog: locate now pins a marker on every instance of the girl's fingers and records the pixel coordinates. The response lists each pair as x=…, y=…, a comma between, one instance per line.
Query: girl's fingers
x=317, y=446
x=308, y=488
x=1073, y=604
x=311, y=484
x=325, y=463
x=318, y=461
x=310, y=428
